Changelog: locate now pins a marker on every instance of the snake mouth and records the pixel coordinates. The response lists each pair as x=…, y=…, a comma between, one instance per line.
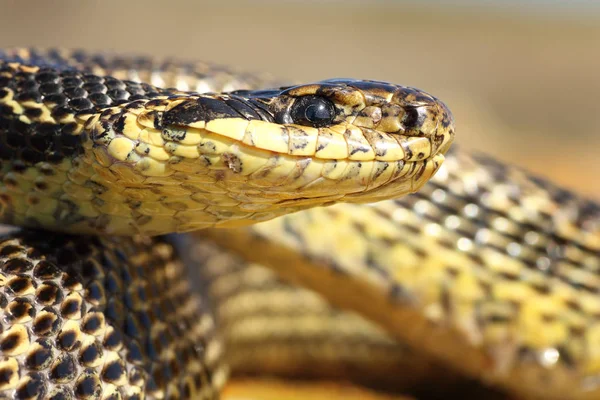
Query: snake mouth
x=265, y=179
x=347, y=140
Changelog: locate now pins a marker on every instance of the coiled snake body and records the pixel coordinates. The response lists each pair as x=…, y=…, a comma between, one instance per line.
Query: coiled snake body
x=485, y=269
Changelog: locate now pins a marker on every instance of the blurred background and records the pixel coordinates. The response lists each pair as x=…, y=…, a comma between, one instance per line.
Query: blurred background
x=521, y=79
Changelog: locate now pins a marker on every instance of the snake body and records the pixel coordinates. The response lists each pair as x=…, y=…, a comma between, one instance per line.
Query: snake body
x=486, y=270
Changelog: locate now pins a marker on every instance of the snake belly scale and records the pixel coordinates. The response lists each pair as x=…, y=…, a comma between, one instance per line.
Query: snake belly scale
x=486, y=271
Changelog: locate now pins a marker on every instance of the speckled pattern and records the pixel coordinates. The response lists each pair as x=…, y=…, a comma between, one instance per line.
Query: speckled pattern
x=101, y=318
x=272, y=327
x=490, y=271
x=82, y=149
x=90, y=153
x=487, y=268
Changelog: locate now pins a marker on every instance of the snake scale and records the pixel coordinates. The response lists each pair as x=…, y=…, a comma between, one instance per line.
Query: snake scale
x=485, y=273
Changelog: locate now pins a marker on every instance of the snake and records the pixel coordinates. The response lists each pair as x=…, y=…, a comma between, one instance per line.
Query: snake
x=178, y=222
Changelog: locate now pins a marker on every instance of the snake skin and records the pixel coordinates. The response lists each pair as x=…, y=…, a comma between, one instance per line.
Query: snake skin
x=102, y=318
x=272, y=328
x=56, y=111
x=488, y=270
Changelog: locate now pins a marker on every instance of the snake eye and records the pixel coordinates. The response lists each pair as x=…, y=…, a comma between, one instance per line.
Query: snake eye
x=414, y=118
x=313, y=111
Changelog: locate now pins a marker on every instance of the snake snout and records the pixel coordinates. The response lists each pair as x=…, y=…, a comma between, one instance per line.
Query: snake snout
x=434, y=122
x=396, y=113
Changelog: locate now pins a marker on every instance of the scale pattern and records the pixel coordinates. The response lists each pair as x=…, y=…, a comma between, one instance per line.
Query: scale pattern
x=487, y=268
x=101, y=318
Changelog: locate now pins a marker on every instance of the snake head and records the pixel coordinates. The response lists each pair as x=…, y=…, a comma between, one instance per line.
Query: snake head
x=371, y=140
x=240, y=157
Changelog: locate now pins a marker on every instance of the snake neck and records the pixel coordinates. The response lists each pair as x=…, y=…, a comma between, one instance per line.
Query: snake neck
x=46, y=170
